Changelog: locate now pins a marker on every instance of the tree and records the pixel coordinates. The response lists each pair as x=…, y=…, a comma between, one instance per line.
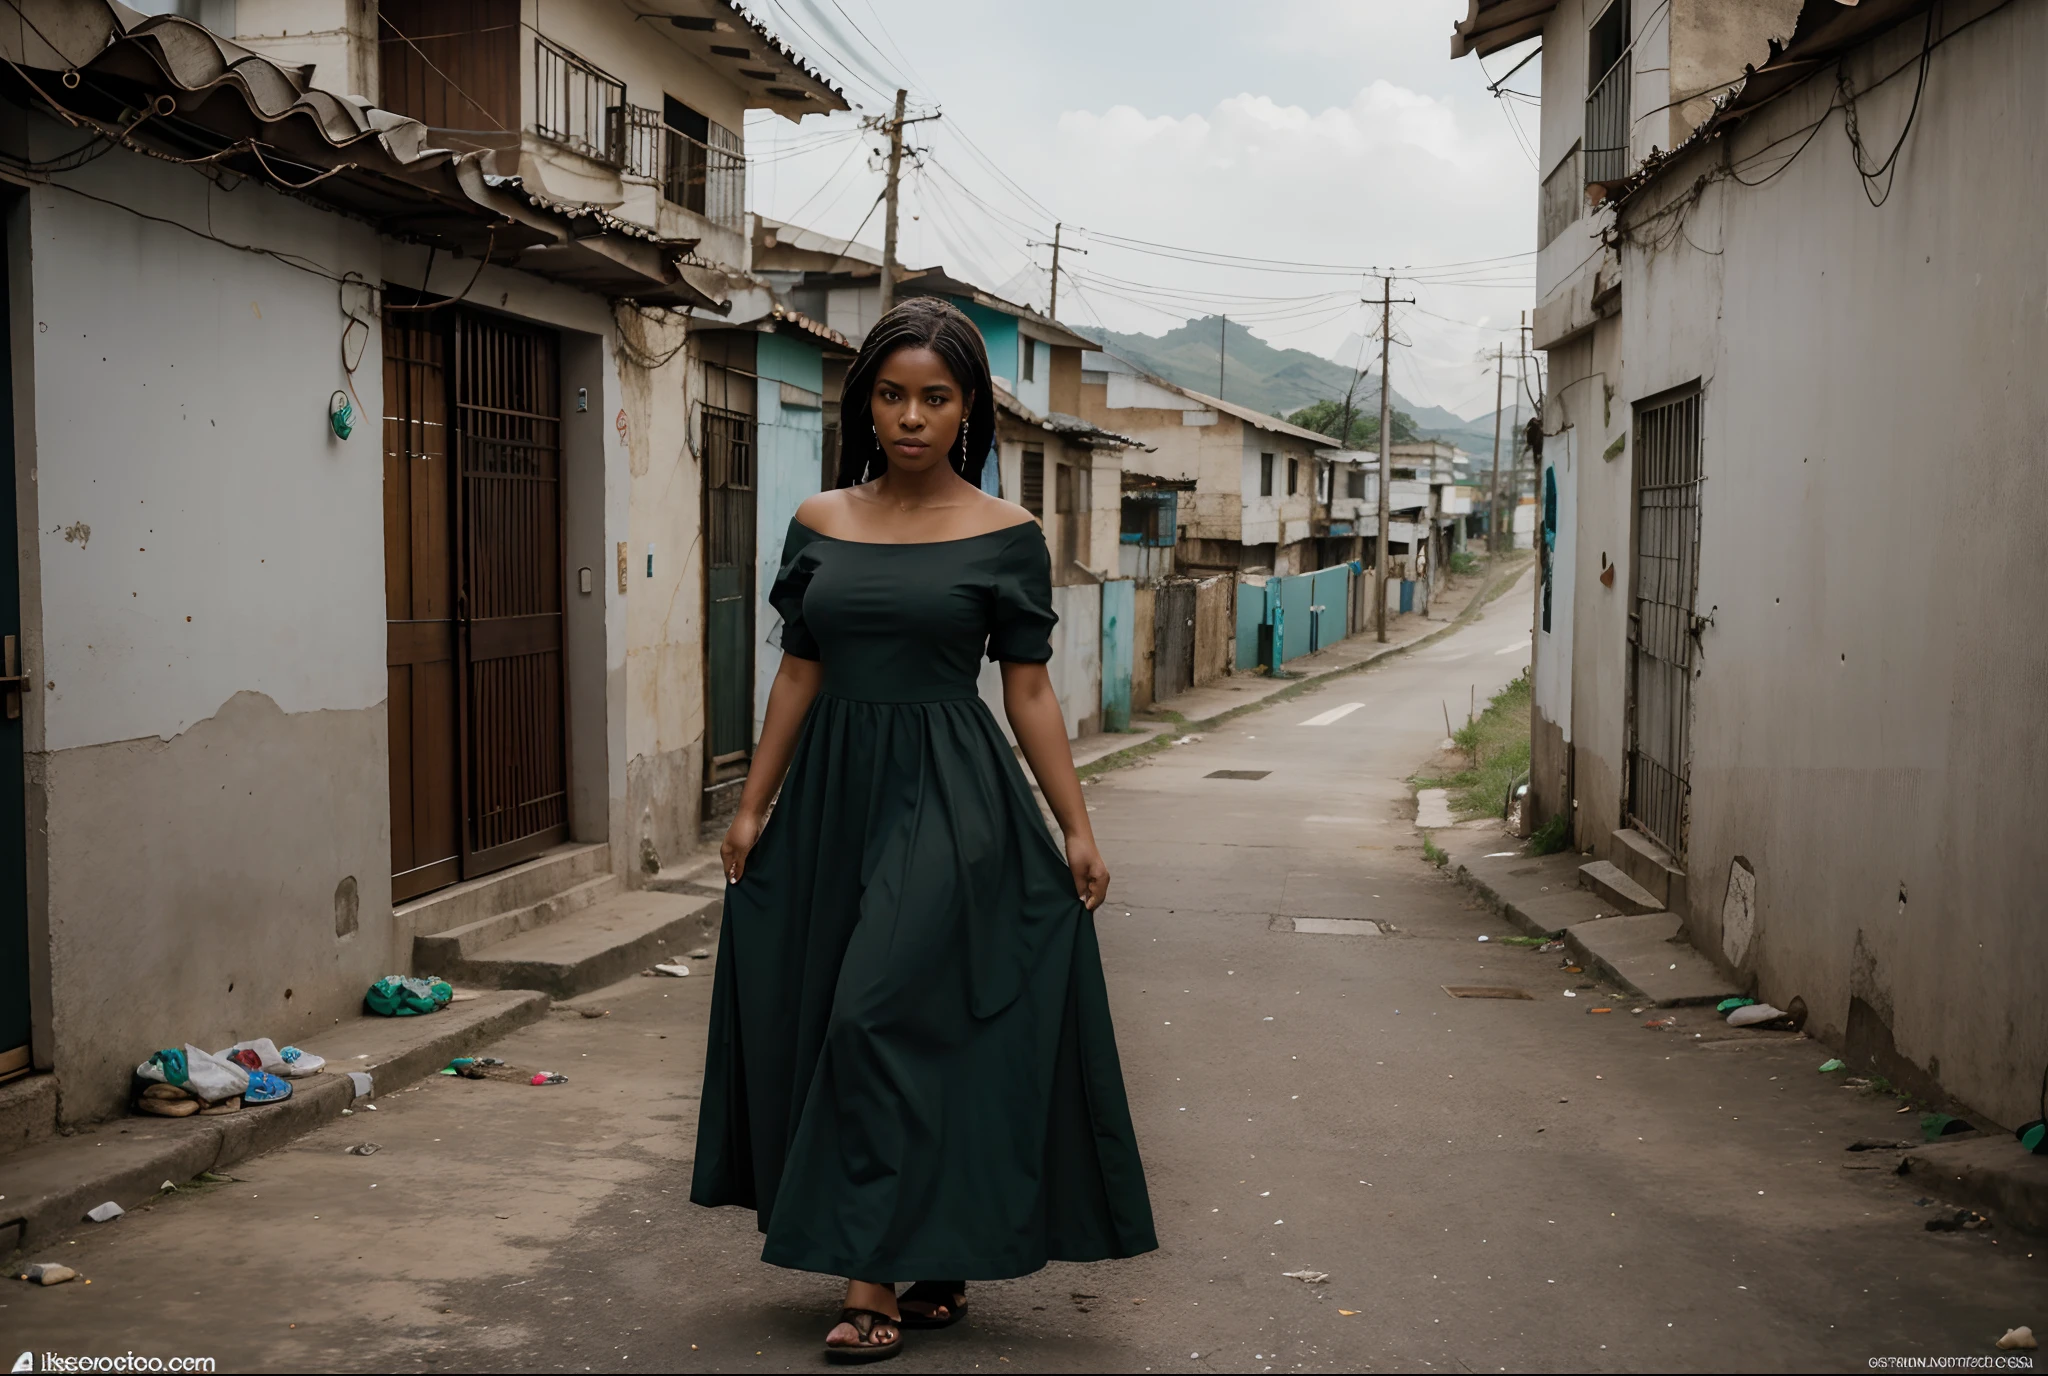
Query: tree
x=1327, y=418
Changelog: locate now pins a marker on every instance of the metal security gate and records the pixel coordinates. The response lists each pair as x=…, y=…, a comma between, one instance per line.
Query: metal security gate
x=1173, y=638
x=729, y=518
x=1667, y=535
x=509, y=600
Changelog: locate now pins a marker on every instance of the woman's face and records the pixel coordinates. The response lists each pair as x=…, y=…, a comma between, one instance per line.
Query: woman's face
x=918, y=408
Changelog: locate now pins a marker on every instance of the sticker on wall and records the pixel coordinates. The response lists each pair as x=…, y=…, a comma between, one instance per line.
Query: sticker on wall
x=619, y=424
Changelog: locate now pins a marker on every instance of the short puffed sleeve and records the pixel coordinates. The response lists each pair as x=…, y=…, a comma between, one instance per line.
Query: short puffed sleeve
x=792, y=580
x=1024, y=618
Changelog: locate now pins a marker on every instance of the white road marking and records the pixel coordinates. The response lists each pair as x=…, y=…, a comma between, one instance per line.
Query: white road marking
x=1334, y=714
x=1521, y=644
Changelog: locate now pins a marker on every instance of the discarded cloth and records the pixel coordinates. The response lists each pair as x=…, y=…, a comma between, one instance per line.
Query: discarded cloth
x=403, y=996
x=207, y=1078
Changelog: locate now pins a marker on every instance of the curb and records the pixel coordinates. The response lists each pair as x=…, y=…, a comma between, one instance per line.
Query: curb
x=1494, y=586
x=1573, y=942
x=47, y=1192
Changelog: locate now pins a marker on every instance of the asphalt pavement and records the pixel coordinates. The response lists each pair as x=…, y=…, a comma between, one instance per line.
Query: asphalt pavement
x=1498, y=1184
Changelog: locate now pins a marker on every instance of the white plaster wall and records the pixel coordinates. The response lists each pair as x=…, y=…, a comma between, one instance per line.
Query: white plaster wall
x=202, y=532
x=1867, y=717
x=1036, y=392
x=1077, y=655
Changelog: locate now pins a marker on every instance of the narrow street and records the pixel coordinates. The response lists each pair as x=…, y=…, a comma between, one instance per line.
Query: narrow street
x=1487, y=1184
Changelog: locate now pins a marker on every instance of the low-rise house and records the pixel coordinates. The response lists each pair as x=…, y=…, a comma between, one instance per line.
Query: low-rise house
x=1777, y=677
x=357, y=501
x=1243, y=482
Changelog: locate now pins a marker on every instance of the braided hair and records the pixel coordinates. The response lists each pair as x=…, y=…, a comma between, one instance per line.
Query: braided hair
x=922, y=322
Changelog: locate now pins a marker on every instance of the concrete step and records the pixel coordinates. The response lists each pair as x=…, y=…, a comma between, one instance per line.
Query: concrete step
x=1606, y=879
x=696, y=874
x=595, y=947
x=50, y=1185
x=521, y=886
x=28, y=1111
x=431, y=954
x=1645, y=954
x=1650, y=865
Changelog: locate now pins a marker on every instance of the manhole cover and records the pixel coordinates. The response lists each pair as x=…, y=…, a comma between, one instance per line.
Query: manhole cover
x=1336, y=926
x=1484, y=991
x=1238, y=774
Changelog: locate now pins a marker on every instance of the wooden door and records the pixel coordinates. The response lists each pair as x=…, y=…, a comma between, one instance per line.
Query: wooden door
x=509, y=593
x=419, y=593
x=1173, y=629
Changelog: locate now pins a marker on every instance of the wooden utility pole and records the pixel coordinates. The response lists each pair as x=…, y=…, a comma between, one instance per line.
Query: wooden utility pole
x=1379, y=582
x=1222, y=349
x=1053, y=308
x=889, y=196
x=1500, y=372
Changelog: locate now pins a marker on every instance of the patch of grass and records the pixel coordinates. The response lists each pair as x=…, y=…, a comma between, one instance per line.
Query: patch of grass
x=1530, y=941
x=1497, y=744
x=1552, y=837
x=1464, y=561
x=1434, y=853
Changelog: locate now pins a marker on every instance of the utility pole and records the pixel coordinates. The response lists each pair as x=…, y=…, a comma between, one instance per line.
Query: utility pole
x=1500, y=372
x=889, y=195
x=1053, y=307
x=1222, y=349
x=1379, y=582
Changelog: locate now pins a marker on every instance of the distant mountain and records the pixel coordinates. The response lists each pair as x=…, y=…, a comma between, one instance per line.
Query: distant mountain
x=1276, y=381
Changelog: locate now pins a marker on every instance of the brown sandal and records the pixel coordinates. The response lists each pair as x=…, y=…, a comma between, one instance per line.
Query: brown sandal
x=864, y=1322
x=949, y=1295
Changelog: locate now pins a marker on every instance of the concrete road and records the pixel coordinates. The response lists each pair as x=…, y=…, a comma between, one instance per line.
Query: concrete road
x=1489, y=1185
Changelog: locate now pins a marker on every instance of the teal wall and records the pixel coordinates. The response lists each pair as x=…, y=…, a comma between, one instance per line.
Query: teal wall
x=1119, y=613
x=791, y=451
x=999, y=332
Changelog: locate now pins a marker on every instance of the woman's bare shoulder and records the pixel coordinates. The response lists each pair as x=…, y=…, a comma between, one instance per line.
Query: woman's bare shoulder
x=825, y=512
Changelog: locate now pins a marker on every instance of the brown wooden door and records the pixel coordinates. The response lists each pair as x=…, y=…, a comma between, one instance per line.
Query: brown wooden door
x=419, y=591
x=509, y=598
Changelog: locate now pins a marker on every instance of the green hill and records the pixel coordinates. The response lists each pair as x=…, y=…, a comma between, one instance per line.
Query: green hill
x=1276, y=381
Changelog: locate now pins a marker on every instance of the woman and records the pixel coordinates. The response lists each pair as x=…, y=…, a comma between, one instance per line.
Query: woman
x=911, y=1072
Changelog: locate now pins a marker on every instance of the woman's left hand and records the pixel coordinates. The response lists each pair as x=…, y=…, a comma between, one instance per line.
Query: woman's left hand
x=1091, y=876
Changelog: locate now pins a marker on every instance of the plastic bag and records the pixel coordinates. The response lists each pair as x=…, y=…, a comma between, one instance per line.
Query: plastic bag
x=204, y=1076
x=299, y=1064
x=401, y=996
x=260, y=1054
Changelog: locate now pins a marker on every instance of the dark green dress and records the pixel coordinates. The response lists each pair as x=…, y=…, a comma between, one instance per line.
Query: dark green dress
x=911, y=1072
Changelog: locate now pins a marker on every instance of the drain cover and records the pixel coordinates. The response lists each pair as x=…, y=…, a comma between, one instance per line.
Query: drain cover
x=1484, y=991
x=1238, y=774
x=1337, y=926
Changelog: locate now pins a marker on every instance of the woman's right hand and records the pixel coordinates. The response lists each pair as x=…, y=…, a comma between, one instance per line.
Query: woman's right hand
x=738, y=844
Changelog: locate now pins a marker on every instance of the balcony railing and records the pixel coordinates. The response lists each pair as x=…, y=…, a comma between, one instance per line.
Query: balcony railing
x=634, y=140
x=573, y=101
x=1605, y=148
x=705, y=177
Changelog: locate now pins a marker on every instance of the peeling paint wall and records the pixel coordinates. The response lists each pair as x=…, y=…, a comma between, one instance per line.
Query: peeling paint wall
x=204, y=608
x=207, y=751
x=664, y=597
x=1867, y=718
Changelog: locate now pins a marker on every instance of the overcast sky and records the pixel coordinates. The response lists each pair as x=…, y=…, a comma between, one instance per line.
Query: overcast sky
x=1326, y=132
